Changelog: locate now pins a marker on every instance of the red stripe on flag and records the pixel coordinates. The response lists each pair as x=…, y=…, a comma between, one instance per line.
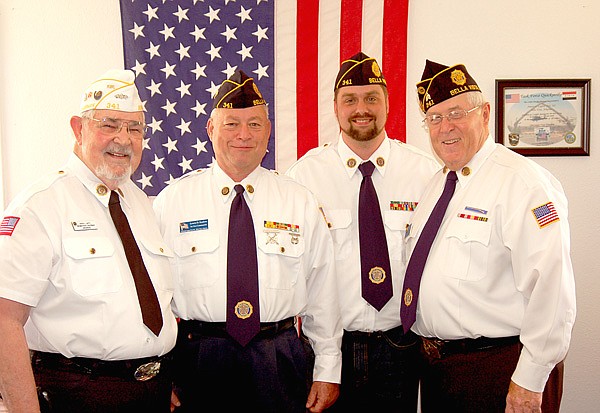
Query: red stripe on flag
x=307, y=75
x=350, y=28
x=395, y=21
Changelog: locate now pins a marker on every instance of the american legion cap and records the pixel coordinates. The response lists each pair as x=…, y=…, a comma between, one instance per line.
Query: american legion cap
x=439, y=83
x=238, y=92
x=114, y=90
x=359, y=70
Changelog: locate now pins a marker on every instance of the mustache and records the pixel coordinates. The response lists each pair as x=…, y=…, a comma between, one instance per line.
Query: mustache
x=120, y=149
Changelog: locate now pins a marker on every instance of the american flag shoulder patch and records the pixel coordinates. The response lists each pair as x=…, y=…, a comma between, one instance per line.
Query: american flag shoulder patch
x=8, y=225
x=545, y=214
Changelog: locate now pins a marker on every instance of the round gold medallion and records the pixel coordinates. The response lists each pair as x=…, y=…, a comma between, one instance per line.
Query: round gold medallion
x=225, y=190
x=408, y=297
x=380, y=161
x=351, y=163
x=377, y=275
x=101, y=190
x=243, y=309
x=466, y=171
x=250, y=189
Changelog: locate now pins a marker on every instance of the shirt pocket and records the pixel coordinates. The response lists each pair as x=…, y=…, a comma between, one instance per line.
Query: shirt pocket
x=280, y=258
x=93, y=268
x=158, y=263
x=466, y=251
x=340, y=221
x=196, y=259
x=395, y=222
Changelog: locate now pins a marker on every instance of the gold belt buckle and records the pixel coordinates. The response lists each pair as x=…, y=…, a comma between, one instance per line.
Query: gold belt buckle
x=147, y=371
x=432, y=347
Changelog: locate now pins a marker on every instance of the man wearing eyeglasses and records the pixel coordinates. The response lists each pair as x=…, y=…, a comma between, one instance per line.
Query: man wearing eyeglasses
x=489, y=284
x=85, y=283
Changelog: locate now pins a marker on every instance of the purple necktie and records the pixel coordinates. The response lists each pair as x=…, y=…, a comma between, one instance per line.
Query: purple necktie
x=243, y=313
x=147, y=299
x=416, y=264
x=376, y=274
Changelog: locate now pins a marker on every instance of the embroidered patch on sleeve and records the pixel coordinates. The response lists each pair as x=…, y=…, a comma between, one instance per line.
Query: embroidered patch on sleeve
x=8, y=225
x=545, y=214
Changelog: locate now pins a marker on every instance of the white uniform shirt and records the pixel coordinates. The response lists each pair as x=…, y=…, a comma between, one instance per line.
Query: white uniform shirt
x=400, y=177
x=65, y=259
x=296, y=272
x=492, y=270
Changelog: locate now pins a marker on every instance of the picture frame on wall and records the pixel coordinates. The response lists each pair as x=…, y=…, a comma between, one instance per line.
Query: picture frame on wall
x=544, y=117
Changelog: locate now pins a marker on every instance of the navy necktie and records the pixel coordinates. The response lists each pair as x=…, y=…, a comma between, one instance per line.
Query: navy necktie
x=376, y=274
x=243, y=313
x=151, y=314
x=416, y=264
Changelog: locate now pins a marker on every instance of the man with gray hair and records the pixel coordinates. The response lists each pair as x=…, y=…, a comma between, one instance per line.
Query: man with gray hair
x=85, y=283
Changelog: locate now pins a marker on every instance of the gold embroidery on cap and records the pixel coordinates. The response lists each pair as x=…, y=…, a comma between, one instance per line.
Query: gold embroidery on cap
x=375, y=69
x=457, y=76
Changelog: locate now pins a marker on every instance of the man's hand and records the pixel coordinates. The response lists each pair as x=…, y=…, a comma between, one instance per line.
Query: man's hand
x=175, y=403
x=322, y=395
x=521, y=400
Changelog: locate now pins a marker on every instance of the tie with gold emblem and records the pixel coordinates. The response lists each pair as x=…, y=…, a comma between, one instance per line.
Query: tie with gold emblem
x=376, y=274
x=243, y=313
x=147, y=298
x=416, y=264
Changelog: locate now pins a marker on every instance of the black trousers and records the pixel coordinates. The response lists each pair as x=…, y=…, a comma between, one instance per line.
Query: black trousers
x=69, y=388
x=270, y=374
x=379, y=372
x=478, y=381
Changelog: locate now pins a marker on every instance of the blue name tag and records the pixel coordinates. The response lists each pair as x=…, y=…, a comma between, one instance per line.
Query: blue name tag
x=193, y=225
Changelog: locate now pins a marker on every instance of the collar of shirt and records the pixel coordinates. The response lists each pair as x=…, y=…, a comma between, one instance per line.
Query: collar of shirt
x=352, y=161
x=93, y=184
x=224, y=184
x=471, y=168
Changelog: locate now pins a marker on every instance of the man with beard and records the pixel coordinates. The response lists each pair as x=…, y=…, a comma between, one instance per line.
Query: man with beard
x=85, y=283
x=368, y=186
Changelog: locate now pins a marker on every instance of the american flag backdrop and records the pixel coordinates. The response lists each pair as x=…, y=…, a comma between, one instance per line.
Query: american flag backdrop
x=182, y=50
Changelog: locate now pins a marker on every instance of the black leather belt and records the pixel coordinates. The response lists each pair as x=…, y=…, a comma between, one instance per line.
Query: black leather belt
x=218, y=329
x=356, y=334
x=436, y=348
x=141, y=369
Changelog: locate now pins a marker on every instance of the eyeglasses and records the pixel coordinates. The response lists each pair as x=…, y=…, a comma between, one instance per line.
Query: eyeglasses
x=454, y=116
x=110, y=126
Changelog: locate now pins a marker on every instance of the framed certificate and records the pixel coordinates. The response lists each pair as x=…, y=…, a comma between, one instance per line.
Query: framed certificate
x=544, y=117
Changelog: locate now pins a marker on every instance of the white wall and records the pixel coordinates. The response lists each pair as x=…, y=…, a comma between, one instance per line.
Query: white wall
x=50, y=50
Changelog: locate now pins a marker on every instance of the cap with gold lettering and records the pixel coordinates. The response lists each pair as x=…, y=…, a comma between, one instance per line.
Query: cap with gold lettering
x=359, y=70
x=115, y=90
x=440, y=82
x=238, y=92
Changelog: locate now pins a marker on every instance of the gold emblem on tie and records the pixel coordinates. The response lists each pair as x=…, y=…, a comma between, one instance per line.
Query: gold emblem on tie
x=380, y=161
x=351, y=163
x=408, y=297
x=101, y=190
x=377, y=275
x=225, y=190
x=243, y=309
